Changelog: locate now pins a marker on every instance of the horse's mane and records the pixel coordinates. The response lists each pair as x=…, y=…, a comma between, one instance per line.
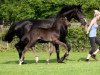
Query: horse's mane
x=67, y=8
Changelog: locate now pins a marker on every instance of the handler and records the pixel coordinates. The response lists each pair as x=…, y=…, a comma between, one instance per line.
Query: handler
x=92, y=33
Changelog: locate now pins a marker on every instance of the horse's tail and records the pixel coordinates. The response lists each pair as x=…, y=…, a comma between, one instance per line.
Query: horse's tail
x=24, y=37
x=8, y=37
x=23, y=24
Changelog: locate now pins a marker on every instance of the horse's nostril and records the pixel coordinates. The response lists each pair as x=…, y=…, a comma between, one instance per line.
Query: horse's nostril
x=84, y=23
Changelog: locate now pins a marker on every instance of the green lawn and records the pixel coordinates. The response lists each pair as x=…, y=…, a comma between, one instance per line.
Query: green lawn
x=75, y=65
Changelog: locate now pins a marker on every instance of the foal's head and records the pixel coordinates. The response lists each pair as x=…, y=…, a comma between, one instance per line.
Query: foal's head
x=64, y=22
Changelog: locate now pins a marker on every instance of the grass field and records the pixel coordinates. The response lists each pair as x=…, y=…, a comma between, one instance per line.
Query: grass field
x=75, y=65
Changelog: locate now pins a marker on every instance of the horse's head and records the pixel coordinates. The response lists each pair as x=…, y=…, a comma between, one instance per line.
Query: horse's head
x=78, y=15
x=9, y=35
x=73, y=11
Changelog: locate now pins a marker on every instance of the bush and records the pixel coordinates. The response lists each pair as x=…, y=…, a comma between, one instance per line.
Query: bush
x=76, y=38
x=14, y=10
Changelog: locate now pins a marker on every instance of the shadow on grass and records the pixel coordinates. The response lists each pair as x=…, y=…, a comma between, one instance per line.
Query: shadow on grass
x=29, y=61
x=84, y=59
x=33, y=61
x=81, y=59
x=69, y=60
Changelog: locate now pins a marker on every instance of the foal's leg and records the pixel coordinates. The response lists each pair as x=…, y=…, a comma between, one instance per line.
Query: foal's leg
x=31, y=43
x=64, y=45
x=36, y=55
x=50, y=52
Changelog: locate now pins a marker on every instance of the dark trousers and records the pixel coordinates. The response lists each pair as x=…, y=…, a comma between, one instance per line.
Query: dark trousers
x=93, y=42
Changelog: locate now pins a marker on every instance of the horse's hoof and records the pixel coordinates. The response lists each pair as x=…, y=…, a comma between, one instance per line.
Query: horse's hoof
x=36, y=62
x=20, y=63
x=48, y=61
x=62, y=58
x=24, y=63
x=36, y=59
x=59, y=61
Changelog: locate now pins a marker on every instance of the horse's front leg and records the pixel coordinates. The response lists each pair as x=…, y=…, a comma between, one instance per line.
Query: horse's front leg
x=57, y=53
x=68, y=46
x=64, y=45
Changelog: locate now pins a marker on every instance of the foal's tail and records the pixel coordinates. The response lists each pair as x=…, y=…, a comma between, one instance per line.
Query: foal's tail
x=25, y=23
x=24, y=37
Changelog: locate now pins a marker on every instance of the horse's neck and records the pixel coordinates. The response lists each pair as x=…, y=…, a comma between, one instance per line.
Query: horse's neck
x=57, y=25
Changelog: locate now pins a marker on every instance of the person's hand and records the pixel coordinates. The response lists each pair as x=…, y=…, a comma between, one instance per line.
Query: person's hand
x=87, y=32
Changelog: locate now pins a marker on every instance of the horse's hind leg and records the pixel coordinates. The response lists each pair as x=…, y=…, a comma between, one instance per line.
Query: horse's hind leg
x=22, y=56
x=20, y=47
x=65, y=46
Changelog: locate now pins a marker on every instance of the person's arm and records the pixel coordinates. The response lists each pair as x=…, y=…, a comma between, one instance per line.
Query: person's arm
x=92, y=22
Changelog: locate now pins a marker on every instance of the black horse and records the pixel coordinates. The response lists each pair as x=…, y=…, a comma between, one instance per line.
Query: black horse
x=70, y=11
x=52, y=34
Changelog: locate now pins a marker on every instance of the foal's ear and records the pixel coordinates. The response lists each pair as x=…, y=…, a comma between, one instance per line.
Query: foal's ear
x=79, y=6
x=65, y=18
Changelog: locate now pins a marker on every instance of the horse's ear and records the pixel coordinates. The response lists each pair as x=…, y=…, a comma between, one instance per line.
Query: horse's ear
x=79, y=6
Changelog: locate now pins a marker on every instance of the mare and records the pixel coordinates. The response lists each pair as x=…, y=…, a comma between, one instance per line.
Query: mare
x=70, y=11
x=51, y=34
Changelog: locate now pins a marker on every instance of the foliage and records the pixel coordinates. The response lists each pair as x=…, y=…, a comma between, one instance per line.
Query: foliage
x=14, y=10
x=77, y=38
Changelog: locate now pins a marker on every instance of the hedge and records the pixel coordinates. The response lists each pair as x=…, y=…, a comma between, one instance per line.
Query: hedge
x=76, y=38
x=14, y=10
